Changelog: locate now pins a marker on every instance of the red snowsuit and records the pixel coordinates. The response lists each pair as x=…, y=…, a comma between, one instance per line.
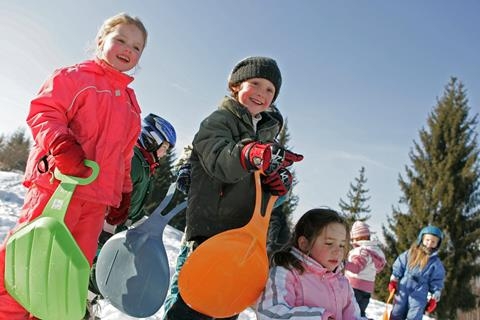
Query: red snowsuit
x=92, y=102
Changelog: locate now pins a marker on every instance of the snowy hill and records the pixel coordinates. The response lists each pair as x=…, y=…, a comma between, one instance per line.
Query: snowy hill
x=11, y=200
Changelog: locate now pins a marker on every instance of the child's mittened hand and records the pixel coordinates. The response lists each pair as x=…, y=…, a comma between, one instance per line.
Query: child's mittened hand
x=69, y=156
x=282, y=158
x=431, y=305
x=279, y=183
x=119, y=215
x=392, y=285
x=183, y=178
x=256, y=156
x=268, y=157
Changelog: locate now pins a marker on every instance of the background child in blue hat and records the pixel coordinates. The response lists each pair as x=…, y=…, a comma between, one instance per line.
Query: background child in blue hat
x=416, y=273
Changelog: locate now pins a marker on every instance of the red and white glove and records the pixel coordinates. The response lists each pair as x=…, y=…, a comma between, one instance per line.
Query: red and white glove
x=69, y=156
x=268, y=157
x=119, y=215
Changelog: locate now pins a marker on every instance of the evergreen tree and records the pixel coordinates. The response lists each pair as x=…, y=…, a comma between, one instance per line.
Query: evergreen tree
x=441, y=187
x=281, y=219
x=14, y=151
x=357, y=200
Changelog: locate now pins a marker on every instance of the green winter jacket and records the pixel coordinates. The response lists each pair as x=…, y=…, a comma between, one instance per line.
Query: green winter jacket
x=222, y=192
x=142, y=184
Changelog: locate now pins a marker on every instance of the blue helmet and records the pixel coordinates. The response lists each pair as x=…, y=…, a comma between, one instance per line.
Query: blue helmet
x=430, y=230
x=156, y=130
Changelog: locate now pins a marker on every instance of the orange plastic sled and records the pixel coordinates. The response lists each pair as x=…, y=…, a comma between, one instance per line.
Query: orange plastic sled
x=228, y=272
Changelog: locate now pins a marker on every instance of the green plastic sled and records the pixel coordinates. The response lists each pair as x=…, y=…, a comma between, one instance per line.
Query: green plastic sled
x=45, y=270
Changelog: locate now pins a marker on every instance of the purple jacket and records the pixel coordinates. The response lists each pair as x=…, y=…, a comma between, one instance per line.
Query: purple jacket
x=315, y=294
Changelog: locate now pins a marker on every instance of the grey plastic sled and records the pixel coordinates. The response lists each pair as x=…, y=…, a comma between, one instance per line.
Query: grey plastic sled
x=132, y=269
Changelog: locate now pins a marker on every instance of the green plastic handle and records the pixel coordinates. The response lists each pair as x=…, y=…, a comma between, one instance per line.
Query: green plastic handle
x=77, y=180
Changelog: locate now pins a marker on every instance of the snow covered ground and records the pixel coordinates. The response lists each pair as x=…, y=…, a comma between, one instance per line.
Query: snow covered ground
x=11, y=200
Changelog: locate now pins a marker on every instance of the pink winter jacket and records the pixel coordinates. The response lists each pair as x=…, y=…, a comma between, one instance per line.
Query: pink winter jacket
x=315, y=294
x=365, y=260
x=92, y=102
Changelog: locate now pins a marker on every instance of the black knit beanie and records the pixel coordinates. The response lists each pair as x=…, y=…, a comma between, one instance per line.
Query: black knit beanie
x=257, y=67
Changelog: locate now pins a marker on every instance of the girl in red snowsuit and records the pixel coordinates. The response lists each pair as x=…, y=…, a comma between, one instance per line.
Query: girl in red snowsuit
x=85, y=111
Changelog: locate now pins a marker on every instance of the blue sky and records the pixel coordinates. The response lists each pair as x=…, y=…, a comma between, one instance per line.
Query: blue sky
x=359, y=77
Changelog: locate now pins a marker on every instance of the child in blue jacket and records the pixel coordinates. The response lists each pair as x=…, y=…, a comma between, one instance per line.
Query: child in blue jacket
x=415, y=273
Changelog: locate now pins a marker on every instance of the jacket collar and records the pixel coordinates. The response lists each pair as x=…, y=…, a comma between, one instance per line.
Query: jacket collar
x=267, y=121
x=312, y=265
x=100, y=67
x=149, y=158
x=236, y=108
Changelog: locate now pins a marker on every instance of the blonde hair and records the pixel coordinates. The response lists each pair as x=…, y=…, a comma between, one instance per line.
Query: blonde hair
x=109, y=25
x=418, y=257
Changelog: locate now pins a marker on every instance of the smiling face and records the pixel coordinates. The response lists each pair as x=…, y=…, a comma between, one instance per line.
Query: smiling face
x=122, y=47
x=255, y=94
x=329, y=246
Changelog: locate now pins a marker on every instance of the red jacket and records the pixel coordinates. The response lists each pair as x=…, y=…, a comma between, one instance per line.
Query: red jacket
x=92, y=102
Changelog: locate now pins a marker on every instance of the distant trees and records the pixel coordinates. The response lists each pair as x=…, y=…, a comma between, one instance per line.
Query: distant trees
x=281, y=220
x=356, y=207
x=14, y=151
x=441, y=187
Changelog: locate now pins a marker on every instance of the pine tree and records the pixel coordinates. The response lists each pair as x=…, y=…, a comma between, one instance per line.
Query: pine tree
x=14, y=151
x=281, y=219
x=441, y=187
x=357, y=200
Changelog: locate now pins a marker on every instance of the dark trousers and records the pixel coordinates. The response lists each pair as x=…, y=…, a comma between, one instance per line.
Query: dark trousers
x=180, y=311
x=363, y=298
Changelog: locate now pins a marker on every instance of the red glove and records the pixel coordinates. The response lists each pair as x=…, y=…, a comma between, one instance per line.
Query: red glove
x=256, y=156
x=119, y=215
x=279, y=183
x=392, y=285
x=268, y=157
x=431, y=305
x=69, y=156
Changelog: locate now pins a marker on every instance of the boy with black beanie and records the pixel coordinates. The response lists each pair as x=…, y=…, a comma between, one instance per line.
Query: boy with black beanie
x=232, y=143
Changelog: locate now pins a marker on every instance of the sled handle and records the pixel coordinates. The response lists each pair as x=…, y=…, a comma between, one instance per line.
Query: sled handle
x=57, y=205
x=77, y=180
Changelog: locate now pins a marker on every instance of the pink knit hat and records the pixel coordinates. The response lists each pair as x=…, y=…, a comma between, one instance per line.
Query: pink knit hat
x=359, y=229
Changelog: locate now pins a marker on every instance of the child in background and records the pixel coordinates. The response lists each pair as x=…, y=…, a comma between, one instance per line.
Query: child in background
x=306, y=279
x=415, y=273
x=233, y=142
x=156, y=138
x=85, y=111
x=364, y=261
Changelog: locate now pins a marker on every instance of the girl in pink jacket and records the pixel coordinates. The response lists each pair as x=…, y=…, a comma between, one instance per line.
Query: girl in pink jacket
x=365, y=260
x=85, y=111
x=306, y=280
